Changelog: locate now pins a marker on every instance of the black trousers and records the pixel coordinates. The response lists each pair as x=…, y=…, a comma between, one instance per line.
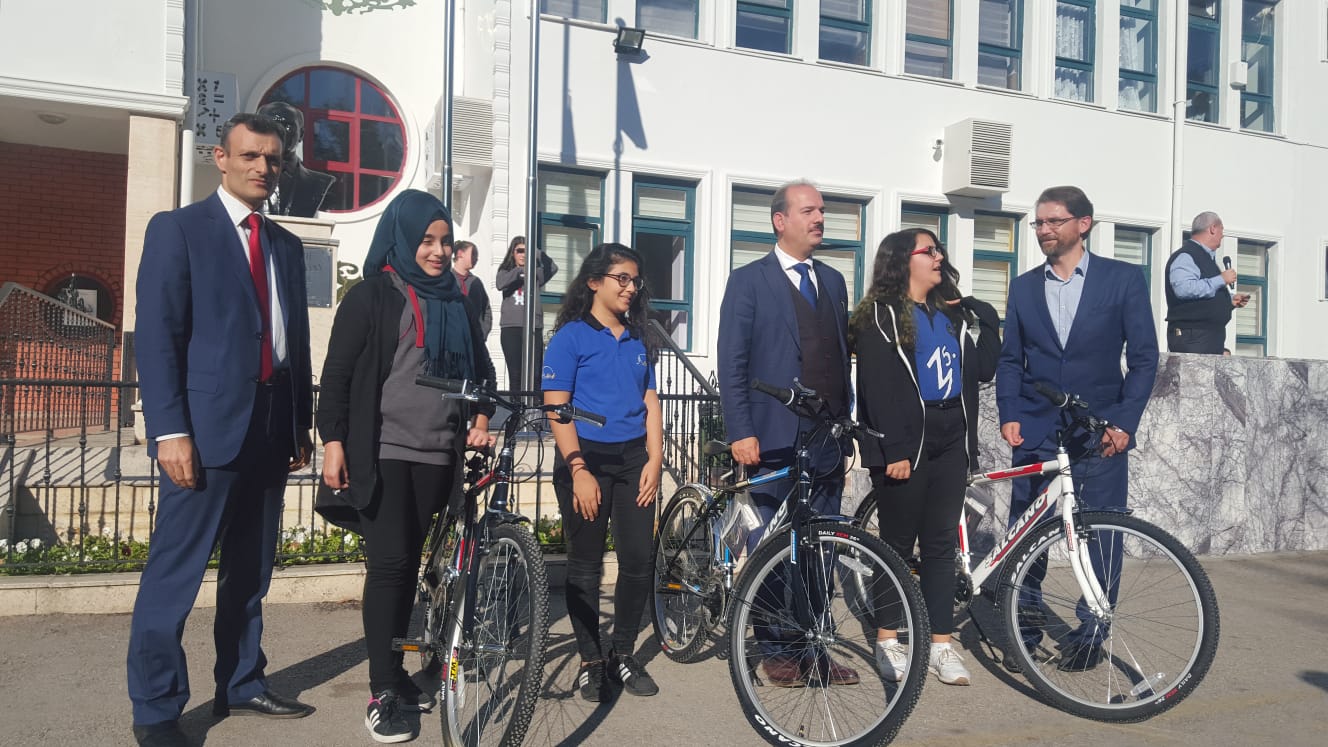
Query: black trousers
x=510, y=337
x=1184, y=339
x=394, y=527
x=617, y=467
x=925, y=509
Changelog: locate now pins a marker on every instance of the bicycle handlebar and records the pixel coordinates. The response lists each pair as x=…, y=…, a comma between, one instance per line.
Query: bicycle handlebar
x=1068, y=401
x=476, y=392
x=804, y=402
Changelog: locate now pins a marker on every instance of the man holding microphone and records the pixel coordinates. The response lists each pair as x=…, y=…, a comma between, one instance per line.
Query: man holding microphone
x=1200, y=300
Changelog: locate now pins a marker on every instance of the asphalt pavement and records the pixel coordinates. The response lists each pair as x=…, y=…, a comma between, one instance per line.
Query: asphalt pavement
x=62, y=682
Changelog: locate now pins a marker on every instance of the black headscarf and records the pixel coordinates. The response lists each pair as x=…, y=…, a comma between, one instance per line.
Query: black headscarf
x=396, y=240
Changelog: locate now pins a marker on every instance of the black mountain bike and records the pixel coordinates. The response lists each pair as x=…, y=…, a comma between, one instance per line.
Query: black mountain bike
x=801, y=649
x=485, y=591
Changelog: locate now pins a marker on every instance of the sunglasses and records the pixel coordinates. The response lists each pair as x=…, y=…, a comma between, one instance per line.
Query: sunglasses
x=519, y=250
x=624, y=279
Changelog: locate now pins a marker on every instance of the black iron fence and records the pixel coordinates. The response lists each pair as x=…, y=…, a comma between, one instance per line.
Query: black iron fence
x=42, y=339
x=85, y=500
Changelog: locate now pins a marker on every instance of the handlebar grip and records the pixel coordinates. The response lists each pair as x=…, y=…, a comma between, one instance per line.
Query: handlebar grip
x=595, y=418
x=1057, y=397
x=785, y=396
x=447, y=385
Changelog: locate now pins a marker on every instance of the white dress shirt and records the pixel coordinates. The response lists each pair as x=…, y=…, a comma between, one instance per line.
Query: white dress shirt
x=787, y=262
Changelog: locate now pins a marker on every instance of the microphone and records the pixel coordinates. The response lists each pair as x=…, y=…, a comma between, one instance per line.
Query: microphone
x=1226, y=265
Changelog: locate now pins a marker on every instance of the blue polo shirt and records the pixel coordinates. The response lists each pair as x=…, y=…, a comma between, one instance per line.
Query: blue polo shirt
x=606, y=375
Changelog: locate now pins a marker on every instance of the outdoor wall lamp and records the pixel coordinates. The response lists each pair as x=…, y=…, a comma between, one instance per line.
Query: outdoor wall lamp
x=629, y=40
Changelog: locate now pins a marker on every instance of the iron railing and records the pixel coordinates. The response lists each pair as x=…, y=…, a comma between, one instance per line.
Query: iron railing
x=89, y=496
x=42, y=339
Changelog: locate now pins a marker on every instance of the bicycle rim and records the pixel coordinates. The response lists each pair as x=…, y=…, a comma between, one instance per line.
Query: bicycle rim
x=818, y=706
x=492, y=675
x=1157, y=643
x=688, y=603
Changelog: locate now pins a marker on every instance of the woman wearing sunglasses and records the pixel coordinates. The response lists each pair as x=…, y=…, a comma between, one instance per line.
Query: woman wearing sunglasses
x=511, y=280
x=918, y=373
x=599, y=361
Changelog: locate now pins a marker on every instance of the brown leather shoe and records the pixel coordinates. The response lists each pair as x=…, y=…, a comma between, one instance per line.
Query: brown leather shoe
x=783, y=671
x=828, y=670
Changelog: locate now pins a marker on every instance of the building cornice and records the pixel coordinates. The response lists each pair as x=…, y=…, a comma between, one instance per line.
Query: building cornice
x=135, y=102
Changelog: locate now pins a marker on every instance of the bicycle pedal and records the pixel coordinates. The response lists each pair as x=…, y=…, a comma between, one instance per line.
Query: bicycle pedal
x=414, y=645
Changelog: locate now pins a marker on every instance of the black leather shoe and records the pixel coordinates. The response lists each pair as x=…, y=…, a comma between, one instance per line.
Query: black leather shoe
x=1080, y=657
x=267, y=704
x=165, y=734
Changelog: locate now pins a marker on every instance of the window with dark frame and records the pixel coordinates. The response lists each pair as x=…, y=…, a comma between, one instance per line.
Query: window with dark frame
x=1000, y=43
x=352, y=130
x=766, y=25
x=1202, y=74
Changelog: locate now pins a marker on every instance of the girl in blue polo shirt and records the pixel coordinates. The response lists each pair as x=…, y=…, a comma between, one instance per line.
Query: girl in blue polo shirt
x=598, y=359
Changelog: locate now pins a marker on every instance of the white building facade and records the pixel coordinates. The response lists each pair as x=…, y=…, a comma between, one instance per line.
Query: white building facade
x=1158, y=109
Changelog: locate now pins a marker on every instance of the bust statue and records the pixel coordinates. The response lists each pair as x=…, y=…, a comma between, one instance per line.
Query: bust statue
x=300, y=191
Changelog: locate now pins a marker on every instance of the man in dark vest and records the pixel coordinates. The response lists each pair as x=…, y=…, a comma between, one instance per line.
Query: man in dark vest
x=1199, y=303
x=785, y=316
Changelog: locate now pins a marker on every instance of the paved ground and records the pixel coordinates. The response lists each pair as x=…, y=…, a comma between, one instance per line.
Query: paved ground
x=62, y=683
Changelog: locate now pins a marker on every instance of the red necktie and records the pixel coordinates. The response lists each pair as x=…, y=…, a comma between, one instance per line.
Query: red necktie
x=258, y=269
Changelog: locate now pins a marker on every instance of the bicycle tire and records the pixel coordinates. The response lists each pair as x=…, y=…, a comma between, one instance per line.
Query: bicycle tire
x=1164, y=620
x=492, y=678
x=762, y=627
x=688, y=601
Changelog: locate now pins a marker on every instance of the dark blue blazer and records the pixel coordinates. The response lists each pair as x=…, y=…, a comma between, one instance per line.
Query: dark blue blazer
x=1114, y=315
x=198, y=325
x=758, y=339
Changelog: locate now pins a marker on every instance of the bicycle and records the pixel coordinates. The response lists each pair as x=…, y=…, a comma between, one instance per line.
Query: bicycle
x=485, y=591
x=786, y=603
x=1160, y=631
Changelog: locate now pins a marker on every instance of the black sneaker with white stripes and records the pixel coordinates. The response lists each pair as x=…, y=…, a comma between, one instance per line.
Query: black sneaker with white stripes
x=384, y=720
x=590, y=681
x=632, y=675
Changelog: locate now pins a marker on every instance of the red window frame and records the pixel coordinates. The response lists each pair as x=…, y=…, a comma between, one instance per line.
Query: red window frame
x=353, y=119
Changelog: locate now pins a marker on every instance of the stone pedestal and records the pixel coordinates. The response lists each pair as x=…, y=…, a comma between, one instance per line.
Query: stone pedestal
x=321, y=263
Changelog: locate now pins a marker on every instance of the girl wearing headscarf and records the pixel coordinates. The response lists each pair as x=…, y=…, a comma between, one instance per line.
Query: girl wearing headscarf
x=392, y=449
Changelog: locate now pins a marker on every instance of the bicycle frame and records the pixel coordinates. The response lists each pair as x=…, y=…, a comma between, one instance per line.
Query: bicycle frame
x=1059, y=492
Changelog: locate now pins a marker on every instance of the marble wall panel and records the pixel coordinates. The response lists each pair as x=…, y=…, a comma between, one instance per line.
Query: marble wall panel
x=1232, y=456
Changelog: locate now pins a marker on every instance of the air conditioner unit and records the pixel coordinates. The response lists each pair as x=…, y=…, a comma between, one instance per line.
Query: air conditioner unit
x=472, y=140
x=977, y=158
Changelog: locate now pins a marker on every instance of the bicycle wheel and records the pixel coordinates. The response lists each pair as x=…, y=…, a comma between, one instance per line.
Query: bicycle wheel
x=689, y=598
x=815, y=682
x=493, y=673
x=1153, y=648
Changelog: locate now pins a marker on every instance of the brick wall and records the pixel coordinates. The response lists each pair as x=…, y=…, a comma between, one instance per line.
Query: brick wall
x=62, y=212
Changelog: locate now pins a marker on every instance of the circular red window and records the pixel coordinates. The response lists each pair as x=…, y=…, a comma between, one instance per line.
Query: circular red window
x=352, y=131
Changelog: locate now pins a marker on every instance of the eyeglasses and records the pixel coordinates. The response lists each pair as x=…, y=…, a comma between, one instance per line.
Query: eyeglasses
x=933, y=251
x=624, y=279
x=1053, y=222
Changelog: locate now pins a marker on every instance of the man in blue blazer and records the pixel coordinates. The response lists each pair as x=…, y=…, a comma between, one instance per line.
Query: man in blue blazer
x=785, y=316
x=1067, y=323
x=222, y=344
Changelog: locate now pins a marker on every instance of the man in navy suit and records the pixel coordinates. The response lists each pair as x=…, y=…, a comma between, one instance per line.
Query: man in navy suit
x=222, y=344
x=1067, y=323
x=785, y=316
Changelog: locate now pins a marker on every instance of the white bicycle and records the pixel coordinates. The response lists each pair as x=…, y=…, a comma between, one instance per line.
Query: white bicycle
x=1109, y=616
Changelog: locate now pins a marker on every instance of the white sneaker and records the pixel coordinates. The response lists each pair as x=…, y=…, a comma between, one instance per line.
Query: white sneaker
x=892, y=659
x=948, y=666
